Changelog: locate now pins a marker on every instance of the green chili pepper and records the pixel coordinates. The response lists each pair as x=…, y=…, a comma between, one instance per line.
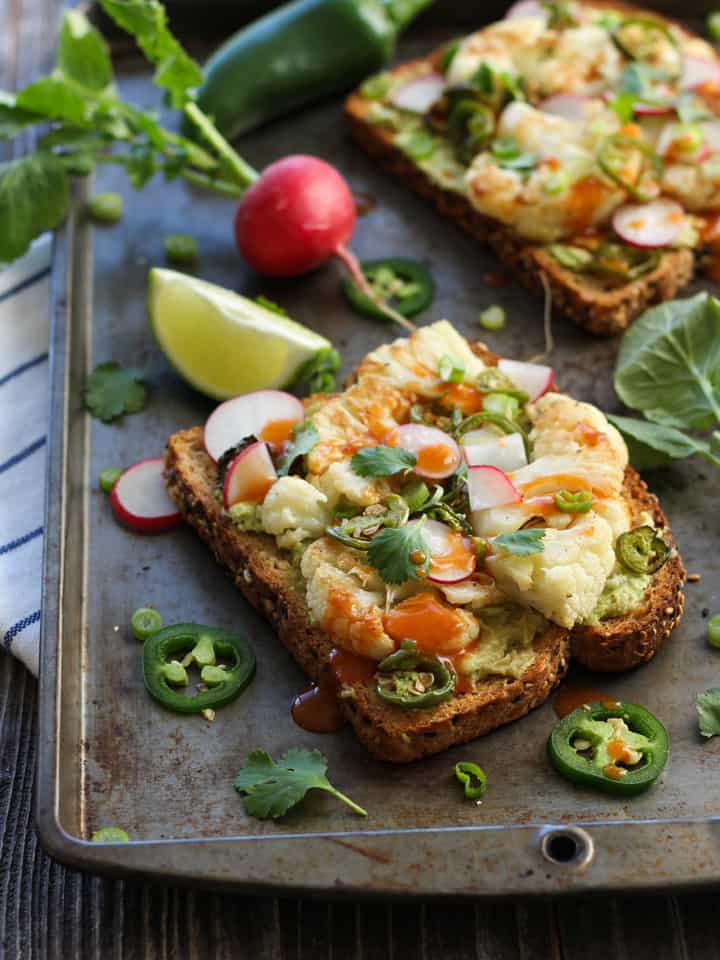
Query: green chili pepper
x=184, y=637
x=590, y=746
x=411, y=679
x=503, y=403
x=467, y=772
x=406, y=285
x=181, y=248
x=713, y=631
x=415, y=493
x=106, y=207
x=110, y=835
x=641, y=550
x=303, y=51
x=638, y=38
x=493, y=318
x=144, y=622
x=617, y=261
x=470, y=122
x=568, y=502
x=357, y=531
x=498, y=420
x=616, y=155
x=108, y=477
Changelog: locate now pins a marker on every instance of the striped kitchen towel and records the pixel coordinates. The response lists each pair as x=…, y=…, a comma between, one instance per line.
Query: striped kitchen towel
x=24, y=318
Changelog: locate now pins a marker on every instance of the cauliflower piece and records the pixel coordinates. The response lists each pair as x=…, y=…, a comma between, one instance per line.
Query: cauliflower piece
x=474, y=593
x=339, y=482
x=582, y=60
x=354, y=562
x=561, y=424
x=496, y=46
x=293, y=511
x=565, y=579
x=695, y=185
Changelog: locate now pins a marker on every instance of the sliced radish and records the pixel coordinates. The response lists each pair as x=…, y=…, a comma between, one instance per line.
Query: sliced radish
x=649, y=225
x=473, y=437
x=524, y=9
x=698, y=71
x=438, y=456
x=684, y=142
x=569, y=106
x=266, y=414
x=652, y=109
x=249, y=476
x=140, y=499
x=452, y=556
x=534, y=379
x=490, y=487
x=507, y=453
x=420, y=94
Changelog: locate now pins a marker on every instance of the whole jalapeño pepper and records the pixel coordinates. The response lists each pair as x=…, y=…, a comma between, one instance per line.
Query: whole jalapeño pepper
x=409, y=678
x=619, y=748
x=303, y=51
x=164, y=672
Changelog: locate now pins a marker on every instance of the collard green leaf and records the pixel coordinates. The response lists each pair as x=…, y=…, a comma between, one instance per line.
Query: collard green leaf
x=111, y=391
x=652, y=444
x=669, y=364
x=34, y=197
x=14, y=119
x=55, y=98
x=83, y=55
x=146, y=21
x=708, y=710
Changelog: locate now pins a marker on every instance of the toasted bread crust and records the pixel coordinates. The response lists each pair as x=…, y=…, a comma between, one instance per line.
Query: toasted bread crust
x=271, y=584
x=602, y=311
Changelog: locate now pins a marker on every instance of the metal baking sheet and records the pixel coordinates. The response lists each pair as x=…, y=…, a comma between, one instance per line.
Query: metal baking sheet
x=110, y=756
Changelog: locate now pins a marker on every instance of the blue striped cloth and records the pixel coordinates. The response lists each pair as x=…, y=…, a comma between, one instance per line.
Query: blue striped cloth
x=24, y=317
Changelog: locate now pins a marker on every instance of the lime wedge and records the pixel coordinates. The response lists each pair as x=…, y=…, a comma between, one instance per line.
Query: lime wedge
x=222, y=343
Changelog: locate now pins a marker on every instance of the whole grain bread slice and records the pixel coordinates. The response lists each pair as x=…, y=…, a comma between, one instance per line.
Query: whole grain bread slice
x=274, y=587
x=593, y=305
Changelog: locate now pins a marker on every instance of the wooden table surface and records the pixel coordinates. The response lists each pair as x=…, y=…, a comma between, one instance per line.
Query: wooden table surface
x=47, y=911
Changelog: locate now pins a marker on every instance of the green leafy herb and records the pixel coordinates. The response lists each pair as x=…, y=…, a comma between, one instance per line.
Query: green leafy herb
x=376, y=87
x=483, y=79
x=34, y=196
x=473, y=779
x=111, y=391
x=82, y=54
x=652, y=444
x=708, y=711
x=523, y=543
x=400, y=553
x=450, y=370
x=271, y=788
x=415, y=143
x=508, y=154
x=181, y=248
x=572, y=258
x=304, y=437
x=382, y=461
x=448, y=54
x=712, y=24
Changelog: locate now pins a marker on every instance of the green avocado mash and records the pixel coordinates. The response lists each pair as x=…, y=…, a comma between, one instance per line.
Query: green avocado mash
x=246, y=516
x=505, y=644
x=623, y=593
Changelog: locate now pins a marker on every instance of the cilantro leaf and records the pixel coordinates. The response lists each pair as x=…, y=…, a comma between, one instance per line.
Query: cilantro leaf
x=304, y=437
x=523, y=543
x=708, y=710
x=382, y=461
x=271, y=788
x=83, y=55
x=34, y=197
x=111, y=391
x=395, y=553
x=450, y=370
x=146, y=21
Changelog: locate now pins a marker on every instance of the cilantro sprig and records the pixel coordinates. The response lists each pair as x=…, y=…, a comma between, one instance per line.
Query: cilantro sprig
x=382, y=461
x=400, y=553
x=270, y=788
x=304, y=437
x=112, y=390
x=523, y=543
x=87, y=117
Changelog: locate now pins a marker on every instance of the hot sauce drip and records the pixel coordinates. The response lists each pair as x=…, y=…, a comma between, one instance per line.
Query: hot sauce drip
x=277, y=432
x=318, y=709
x=257, y=491
x=586, y=195
x=436, y=458
x=570, y=698
x=461, y=558
x=433, y=625
x=466, y=398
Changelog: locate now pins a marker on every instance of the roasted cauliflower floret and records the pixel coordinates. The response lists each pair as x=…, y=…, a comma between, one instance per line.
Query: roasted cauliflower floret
x=340, y=483
x=566, y=578
x=293, y=511
x=354, y=562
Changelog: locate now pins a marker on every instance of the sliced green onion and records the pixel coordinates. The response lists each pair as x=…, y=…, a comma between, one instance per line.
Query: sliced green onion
x=415, y=143
x=181, y=248
x=572, y=258
x=144, y=622
x=106, y=207
x=450, y=370
x=108, y=477
x=713, y=631
x=503, y=403
x=568, y=502
x=493, y=318
x=110, y=835
x=556, y=183
x=376, y=86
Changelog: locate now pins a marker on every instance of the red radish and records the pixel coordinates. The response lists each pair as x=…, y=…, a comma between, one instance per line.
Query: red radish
x=249, y=476
x=490, y=487
x=569, y=106
x=683, y=142
x=649, y=225
x=652, y=109
x=698, y=71
x=534, y=379
x=438, y=456
x=266, y=414
x=452, y=556
x=507, y=453
x=140, y=499
x=420, y=94
x=524, y=9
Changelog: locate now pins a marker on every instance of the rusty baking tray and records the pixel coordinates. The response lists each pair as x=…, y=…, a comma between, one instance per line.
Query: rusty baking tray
x=110, y=756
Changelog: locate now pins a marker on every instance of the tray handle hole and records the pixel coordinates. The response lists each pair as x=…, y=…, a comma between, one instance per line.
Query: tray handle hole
x=567, y=846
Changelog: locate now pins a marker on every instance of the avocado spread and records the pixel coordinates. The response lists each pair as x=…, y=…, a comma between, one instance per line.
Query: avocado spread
x=505, y=645
x=246, y=516
x=623, y=593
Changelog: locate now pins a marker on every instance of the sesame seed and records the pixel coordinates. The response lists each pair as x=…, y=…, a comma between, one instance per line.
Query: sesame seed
x=669, y=611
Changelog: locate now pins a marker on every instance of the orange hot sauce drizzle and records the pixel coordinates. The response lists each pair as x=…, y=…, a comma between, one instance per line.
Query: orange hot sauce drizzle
x=277, y=432
x=318, y=709
x=436, y=458
x=586, y=195
x=570, y=698
x=256, y=492
x=424, y=619
x=466, y=398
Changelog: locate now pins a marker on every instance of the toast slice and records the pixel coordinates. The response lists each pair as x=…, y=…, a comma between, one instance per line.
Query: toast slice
x=273, y=586
x=594, y=305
